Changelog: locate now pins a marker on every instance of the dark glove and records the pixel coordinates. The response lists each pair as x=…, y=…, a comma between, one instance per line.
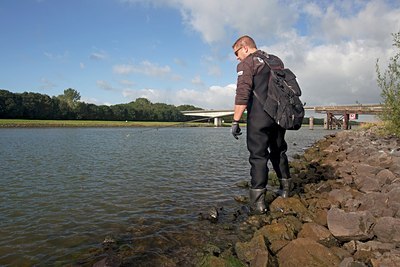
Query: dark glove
x=235, y=130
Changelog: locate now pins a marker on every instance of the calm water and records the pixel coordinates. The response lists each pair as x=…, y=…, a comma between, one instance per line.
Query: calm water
x=64, y=190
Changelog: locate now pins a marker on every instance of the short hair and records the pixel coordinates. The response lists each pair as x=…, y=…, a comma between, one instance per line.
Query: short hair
x=245, y=40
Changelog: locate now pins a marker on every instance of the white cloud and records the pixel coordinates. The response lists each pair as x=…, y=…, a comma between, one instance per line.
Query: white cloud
x=373, y=23
x=127, y=83
x=332, y=46
x=152, y=94
x=46, y=84
x=59, y=57
x=145, y=67
x=98, y=55
x=82, y=65
x=215, y=97
x=106, y=86
x=197, y=80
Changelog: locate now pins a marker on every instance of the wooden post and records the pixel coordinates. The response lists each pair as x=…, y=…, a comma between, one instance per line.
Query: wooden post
x=345, y=121
x=311, y=122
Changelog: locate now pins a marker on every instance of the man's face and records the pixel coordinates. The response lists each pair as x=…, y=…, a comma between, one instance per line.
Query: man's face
x=240, y=52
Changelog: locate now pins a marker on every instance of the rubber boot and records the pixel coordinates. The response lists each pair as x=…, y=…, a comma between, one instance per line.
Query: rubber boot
x=257, y=201
x=285, y=187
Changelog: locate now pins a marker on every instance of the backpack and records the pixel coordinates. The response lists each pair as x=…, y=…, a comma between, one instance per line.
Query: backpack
x=283, y=102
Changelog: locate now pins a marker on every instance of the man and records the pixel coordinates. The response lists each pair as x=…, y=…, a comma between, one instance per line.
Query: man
x=265, y=138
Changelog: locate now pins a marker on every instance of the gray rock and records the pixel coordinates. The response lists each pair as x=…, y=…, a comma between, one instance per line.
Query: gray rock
x=347, y=226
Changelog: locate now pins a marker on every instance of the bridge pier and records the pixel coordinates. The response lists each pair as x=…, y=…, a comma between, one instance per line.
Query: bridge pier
x=218, y=122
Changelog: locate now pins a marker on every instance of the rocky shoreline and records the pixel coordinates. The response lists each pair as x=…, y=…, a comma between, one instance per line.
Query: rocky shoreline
x=345, y=210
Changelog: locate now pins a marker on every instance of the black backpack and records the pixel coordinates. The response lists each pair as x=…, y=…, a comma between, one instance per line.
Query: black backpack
x=283, y=102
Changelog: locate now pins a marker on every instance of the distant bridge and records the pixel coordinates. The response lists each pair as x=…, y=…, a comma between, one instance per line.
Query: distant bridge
x=331, y=112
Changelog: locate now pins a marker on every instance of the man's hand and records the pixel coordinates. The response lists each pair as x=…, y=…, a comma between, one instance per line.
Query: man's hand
x=235, y=130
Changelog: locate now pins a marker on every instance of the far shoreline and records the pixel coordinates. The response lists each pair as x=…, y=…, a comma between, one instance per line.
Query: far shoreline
x=25, y=123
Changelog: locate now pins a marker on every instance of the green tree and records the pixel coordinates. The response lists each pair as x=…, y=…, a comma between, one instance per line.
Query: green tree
x=69, y=103
x=389, y=82
x=10, y=105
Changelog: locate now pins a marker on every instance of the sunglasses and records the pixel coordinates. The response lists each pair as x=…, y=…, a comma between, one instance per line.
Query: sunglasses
x=237, y=51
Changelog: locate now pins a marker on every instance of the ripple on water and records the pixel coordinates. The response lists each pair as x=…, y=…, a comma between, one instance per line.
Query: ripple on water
x=63, y=190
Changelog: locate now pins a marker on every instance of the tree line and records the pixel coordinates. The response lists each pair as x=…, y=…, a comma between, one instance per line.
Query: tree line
x=68, y=106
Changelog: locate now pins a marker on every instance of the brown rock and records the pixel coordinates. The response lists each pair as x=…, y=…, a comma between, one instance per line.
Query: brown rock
x=340, y=196
x=388, y=259
x=395, y=167
x=306, y=252
x=379, y=159
x=367, y=184
x=341, y=253
x=320, y=217
x=387, y=229
x=275, y=231
x=332, y=148
x=377, y=204
x=261, y=259
x=394, y=195
x=347, y=226
x=375, y=246
x=350, y=262
x=277, y=245
x=363, y=169
x=247, y=251
x=385, y=177
x=292, y=206
x=350, y=246
x=317, y=233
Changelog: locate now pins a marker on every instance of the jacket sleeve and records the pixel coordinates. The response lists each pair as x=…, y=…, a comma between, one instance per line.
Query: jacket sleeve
x=244, y=82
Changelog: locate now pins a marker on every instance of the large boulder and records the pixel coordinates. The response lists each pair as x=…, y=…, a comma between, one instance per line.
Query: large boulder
x=347, y=226
x=377, y=204
x=292, y=206
x=306, y=252
x=387, y=229
x=253, y=251
x=276, y=231
x=317, y=233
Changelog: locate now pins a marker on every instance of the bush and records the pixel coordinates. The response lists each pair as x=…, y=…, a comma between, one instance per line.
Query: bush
x=389, y=82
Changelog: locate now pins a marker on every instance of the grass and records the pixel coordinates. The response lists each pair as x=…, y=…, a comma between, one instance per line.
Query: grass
x=10, y=123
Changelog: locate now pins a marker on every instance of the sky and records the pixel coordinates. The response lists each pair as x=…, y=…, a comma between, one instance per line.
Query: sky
x=180, y=51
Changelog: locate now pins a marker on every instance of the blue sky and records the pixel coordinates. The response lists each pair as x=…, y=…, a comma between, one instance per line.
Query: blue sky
x=179, y=51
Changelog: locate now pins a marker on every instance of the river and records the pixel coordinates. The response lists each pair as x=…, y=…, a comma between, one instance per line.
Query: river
x=63, y=191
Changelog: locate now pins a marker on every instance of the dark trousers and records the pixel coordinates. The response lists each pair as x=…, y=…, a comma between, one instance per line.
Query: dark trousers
x=265, y=141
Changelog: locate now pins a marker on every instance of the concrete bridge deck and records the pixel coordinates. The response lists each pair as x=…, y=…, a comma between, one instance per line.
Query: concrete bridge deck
x=331, y=111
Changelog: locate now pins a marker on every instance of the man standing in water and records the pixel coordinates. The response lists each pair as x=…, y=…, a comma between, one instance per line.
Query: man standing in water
x=265, y=138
